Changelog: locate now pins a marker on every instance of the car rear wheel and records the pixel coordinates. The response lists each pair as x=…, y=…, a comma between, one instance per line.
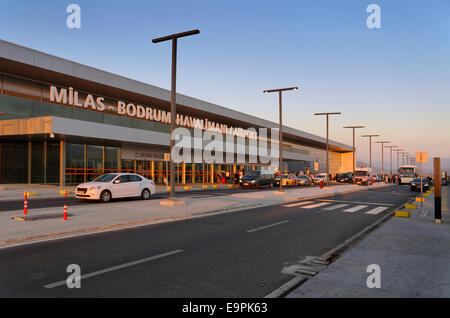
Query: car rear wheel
x=105, y=196
x=145, y=195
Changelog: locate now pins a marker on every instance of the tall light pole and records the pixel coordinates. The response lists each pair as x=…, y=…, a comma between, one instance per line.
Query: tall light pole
x=391, y=154
x=354, y=149
x=280, y=141
x=398, y=151
x=382, y=156
x=328, y=164
x=173, y=111
x=403, y=153
x=370, y=147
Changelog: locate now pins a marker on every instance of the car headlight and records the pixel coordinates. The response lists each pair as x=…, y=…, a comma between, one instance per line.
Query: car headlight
x=95, y=187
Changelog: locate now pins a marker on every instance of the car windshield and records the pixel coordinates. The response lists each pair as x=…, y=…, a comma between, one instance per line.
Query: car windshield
x=418, y=180
x=284, y=176
x=105, y=177
x=303, y=177
x=360, y=173
x=320, y=176
x=252, y=173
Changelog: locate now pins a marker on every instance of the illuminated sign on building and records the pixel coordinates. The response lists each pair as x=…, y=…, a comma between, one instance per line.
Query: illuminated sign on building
x=71, y=97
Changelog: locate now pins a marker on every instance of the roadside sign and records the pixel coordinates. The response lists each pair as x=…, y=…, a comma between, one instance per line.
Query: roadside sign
x=316, y=166
x=421, y=156
x=167, y=156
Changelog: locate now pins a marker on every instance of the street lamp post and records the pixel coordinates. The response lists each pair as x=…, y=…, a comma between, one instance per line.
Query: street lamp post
x=391, y=154
x=398, y=151
x=370, y=147
x=328, y=164
x=173, y=115
x=403, y=153
x=280, y=141
x=354, y=149
x=382, y=156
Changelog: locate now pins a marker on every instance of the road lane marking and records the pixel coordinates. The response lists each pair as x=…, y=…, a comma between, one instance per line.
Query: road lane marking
x=377, y=210
x=312, y=206
x=369, y=203
x=297, y=204
x=334, y=207
x=114, y=268
x=356, y=208
x=267, y=226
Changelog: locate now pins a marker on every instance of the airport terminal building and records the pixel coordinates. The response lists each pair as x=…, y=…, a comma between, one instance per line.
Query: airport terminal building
x=63, y=123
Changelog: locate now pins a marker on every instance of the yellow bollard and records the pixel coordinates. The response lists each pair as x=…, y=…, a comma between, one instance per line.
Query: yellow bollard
x=402, y=214
x=410, y=206
x=419, y=199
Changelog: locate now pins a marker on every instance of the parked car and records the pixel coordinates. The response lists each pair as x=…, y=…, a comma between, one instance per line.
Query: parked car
x=345, y=177
x=287, y=180
x=257, y=179
x=415, y=184
x=116, y=185
x=320, y=177
x=304, y=180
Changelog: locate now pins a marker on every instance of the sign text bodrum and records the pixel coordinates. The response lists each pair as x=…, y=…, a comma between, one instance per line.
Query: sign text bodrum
x=71, y=97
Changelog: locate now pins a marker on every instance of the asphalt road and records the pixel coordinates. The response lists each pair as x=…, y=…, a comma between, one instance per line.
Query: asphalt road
x=239, y=254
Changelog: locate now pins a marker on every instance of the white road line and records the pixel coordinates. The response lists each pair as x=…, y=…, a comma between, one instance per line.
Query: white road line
x=377, y=210
x=368, y=203
x=312, y=206
x=356, y=208
x=114, y=268
x=336, y=206
x=297, y=204
x=267, y=226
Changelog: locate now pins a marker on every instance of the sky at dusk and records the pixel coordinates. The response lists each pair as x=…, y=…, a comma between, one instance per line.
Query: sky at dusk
x=394, y=80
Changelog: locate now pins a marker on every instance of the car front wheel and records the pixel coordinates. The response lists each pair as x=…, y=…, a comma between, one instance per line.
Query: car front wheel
x=105, y=196
x=145, y=195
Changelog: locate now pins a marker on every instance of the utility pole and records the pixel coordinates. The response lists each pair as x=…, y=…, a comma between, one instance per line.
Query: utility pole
x=398, y=151
x=391, y=154
x=370, y=146
x=173, y=111
x=328, y=164
x=280, y=141
x=382, y=157
x=354, y=149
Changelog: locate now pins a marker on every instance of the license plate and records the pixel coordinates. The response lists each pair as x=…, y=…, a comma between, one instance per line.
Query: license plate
x=245, y=183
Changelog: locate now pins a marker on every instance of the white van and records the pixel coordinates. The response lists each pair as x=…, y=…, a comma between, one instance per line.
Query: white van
x=363, y=175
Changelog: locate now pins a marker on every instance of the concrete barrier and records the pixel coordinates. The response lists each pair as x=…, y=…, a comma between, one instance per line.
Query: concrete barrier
x=402, y=214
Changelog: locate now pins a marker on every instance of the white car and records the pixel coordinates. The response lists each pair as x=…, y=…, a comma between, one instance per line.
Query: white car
x=320, y=177
x=116, y=185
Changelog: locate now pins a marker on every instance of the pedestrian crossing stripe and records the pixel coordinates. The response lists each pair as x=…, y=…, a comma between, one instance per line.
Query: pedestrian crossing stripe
x=356, y=208
x=297, y=204
x=316, y=205
x=377, y=210
x=334, y=207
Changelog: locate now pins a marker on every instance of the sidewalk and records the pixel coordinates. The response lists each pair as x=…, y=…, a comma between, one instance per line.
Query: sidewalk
x=93, y=217
x=15, y=191
x=412, y=253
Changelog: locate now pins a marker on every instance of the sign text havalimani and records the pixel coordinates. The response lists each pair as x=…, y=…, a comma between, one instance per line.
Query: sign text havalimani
x=71, y=97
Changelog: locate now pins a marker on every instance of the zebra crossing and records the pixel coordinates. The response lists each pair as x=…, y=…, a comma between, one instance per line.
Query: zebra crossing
x=369, y=208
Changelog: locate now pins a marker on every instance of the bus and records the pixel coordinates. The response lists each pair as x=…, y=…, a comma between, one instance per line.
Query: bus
x=406, y=174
